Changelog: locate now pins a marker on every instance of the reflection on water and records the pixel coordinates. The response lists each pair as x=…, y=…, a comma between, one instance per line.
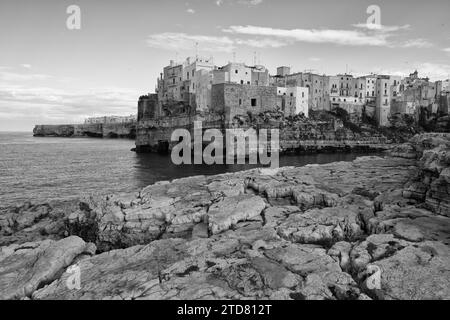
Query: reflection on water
x=41, y=169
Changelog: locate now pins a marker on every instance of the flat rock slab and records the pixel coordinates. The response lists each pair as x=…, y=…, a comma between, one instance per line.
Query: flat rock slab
x=26, y=267
x=223, y=214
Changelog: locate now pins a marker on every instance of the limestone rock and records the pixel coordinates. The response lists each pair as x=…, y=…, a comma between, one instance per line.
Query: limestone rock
x=27, y=267
x=222, y=215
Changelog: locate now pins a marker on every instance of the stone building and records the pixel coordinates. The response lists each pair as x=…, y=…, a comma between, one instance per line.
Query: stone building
x=318, y=86
x=240, y=73
x=231, y=99
x=110, y=119
x=293, y=100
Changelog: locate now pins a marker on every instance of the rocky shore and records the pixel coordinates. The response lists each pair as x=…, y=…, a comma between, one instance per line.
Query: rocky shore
x=313, y=232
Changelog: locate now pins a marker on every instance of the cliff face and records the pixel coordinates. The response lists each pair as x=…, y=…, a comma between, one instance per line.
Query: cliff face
x=297, y=134
x=54, y=130
x=431, y=182
x=115, y=130
x=313, y=232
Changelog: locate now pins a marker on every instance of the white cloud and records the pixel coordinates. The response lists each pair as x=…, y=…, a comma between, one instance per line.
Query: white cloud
x=183, y=41
x=341, y=37
x=315, y=59
x=382, y=28
x=250, y=2
x=434, y=71
x=415, y=43
x=51, y=103
x=15, y=76
x=190, y=10
x=373, y=37
x=446, y=50
x=26, y=66
x=262, y=43
x=242, y=2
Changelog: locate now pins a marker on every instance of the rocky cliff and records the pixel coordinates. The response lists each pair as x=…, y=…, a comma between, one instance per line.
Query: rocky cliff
x=114, y=130
x=321, y=133
x=313, y=232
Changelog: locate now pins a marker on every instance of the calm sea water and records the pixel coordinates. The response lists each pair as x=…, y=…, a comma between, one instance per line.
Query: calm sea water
x=42, y=169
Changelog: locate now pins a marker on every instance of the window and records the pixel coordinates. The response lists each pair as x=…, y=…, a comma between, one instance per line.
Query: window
x=303, y=94
x=248, y=82
x=253, y=102
x=240, y=102
x=291, y=94
x=235, y=71
x=242, y=81
x=373, y=93
x=193, y=72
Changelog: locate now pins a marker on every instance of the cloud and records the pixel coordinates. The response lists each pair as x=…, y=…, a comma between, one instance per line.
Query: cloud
x=415, y=43
x=340, y=37
x=50, y=103
x=250, y=2
x=315, y=59
x=6, y=75
x=180, y=41
x=380, y=27
x=261, y=43
x=446, y=50
x=190, y=10
x=382, y=36
x=241, y=2
x=26, y=66
x=434, y=71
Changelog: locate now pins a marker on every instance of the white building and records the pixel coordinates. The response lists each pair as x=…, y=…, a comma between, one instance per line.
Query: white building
x=298, y=96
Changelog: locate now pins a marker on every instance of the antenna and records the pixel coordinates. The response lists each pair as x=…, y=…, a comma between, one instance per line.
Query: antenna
x=234, y=56
x=254, y=58
x=196, y=50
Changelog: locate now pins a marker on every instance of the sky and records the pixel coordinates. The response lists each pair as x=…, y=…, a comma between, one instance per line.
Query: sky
x=50, y=74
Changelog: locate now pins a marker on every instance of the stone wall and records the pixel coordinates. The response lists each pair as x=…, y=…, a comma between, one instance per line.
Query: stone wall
x=235, y=99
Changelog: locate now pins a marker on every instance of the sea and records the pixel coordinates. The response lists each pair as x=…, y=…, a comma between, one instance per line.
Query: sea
x=41, y=169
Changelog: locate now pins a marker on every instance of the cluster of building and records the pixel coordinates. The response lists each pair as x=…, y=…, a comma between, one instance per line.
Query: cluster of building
x=197, y=86
x=110, y=119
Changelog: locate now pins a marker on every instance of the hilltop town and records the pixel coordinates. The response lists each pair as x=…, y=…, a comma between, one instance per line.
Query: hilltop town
x=339, y=108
